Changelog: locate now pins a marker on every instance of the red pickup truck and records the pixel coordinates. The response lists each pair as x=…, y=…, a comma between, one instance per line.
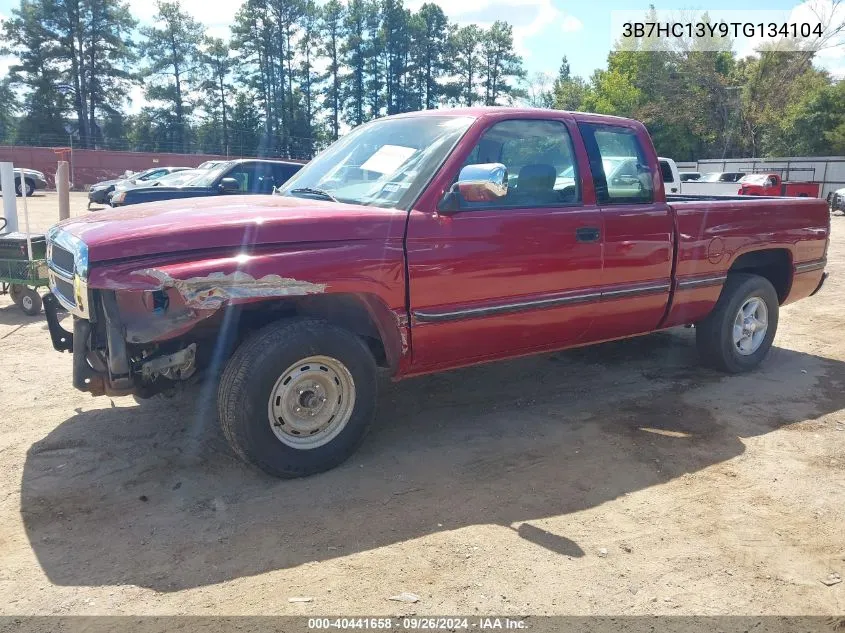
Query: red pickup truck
x=418, y=243
x=773, y=185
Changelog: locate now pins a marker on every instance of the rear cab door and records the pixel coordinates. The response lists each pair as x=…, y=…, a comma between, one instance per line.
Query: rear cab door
x=639, y=230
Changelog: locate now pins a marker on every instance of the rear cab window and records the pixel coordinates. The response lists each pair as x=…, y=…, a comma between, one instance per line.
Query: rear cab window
x=618, y=163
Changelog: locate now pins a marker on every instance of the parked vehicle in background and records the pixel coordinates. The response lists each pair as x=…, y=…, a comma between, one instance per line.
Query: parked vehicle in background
x=686, y=176
x=624, y=171
x=210, y=164
x=671, y=177
x=713, y=184
x=772, y=185
x=99, y=193
x=837, y=200
x=245, y=176
x=722, y=176
x=174, y=178
x=29, y=181
x=419, y=243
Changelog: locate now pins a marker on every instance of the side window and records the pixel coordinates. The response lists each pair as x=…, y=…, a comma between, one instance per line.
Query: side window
x=618, y=164
x=666, y=170
x=540, y=162
x=244, y=173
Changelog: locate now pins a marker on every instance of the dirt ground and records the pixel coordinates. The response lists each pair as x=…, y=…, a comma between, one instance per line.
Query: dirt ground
x=618, y=479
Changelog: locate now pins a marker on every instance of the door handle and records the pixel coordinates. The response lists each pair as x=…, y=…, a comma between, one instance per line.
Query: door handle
x=587, y=234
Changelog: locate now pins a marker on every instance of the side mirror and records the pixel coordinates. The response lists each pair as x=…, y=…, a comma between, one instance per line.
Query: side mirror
x=228, y=185
x=485, y=182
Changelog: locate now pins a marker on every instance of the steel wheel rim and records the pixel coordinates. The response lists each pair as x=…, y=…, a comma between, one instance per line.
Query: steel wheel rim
x=311, y=402
x=26, y=302
x=750, y=326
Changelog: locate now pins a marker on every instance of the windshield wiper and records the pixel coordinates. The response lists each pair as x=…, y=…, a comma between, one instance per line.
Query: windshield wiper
x=325, y=195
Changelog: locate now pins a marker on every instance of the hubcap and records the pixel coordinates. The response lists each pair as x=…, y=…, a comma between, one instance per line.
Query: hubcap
x=311, y=402
x=26, y=302
x=750, y=326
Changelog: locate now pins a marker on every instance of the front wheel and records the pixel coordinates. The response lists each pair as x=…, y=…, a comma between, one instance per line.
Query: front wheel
x=28, y=299
x=297, y=397
x=28, y=186
x=736, y=336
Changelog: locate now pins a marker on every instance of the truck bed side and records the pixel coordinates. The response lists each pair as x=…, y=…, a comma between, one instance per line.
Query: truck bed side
x=784, y=240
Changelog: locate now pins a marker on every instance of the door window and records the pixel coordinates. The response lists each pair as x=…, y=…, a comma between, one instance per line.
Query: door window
x=540, y=162
x=618, y=164
x=253, y=177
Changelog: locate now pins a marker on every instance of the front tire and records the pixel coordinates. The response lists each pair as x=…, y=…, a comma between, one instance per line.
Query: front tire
x=736, y=336
x=298, y=397
x=29, y=300
x=27, y=186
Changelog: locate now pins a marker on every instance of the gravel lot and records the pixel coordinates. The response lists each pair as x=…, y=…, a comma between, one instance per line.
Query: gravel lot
x=618, y=479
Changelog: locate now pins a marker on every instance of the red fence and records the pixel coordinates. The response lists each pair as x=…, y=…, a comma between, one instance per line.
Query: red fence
x=88, y=166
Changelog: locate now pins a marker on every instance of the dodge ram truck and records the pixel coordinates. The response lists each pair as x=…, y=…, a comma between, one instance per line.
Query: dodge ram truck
x=417, y=243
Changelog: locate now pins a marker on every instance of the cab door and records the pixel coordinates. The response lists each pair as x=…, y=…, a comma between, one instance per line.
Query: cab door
x=638, y=229
x=518, y=274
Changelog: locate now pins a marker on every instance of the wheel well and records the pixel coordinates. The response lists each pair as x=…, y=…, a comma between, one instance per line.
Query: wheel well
x=348, y=311
x=774, y=264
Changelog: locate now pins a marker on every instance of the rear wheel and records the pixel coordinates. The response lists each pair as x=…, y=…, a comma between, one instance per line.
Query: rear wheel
x=297, y=397
x=738, y=333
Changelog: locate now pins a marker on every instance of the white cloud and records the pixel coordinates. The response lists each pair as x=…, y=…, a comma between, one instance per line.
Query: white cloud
x=571, y=24
x=527, y=17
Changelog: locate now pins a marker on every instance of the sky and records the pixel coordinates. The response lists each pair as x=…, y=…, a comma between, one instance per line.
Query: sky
x=544, y=30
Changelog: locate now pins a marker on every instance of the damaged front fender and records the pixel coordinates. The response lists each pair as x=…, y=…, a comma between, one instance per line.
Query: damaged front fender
x=215, y=289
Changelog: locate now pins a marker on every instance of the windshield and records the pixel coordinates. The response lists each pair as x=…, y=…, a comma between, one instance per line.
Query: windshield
x=207, y=177
x=713, y=177
x=385, y=163
x=179, y=177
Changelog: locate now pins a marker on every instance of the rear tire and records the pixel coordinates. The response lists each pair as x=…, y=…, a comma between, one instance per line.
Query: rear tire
x=297, y=397
x=734, y=342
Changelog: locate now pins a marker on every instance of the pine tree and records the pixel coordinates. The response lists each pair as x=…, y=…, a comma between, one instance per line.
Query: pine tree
x=172, y=50
x=500, y=63
x=465, y=46
x=217, y=86
x=331, y=26
x=355, y=58
x=38, y=55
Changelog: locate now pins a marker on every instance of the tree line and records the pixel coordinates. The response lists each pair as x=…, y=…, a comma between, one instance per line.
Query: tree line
x=290, y=78
x=293, y=75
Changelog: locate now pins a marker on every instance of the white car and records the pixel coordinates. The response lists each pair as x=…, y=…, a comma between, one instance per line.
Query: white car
x=718, y=183
x=622, y=171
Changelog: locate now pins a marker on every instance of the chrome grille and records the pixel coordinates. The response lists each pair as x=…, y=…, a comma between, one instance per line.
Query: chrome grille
x=65, y=289
x=61, y=259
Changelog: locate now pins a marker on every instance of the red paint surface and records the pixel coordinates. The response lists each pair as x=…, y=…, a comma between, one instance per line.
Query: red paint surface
x=471, y=260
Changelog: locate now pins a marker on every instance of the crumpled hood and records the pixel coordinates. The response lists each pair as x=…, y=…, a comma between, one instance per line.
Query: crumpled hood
x=193, y=224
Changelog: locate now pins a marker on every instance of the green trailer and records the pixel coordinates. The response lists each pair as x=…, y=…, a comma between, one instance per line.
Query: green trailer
x=23, y=269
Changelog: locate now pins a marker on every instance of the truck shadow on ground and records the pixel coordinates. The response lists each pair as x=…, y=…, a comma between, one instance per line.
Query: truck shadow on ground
x=150, y=495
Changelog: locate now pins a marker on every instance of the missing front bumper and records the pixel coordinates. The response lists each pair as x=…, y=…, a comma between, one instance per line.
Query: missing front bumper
x=90, y=374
